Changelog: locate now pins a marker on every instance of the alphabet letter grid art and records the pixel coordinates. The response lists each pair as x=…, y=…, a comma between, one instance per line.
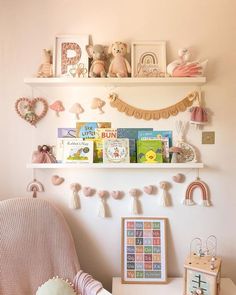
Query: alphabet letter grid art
x=144, y=250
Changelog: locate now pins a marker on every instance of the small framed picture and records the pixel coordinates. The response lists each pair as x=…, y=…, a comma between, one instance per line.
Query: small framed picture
x=148, y=59
x=143, y=250
x=70, y=58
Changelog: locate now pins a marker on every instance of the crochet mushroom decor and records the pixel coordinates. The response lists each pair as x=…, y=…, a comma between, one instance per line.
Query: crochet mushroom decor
x=56, y=286
x=77, y=110
x=57, y=106
x=98, y=104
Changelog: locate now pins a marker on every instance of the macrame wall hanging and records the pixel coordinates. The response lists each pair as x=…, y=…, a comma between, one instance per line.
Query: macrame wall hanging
x=188, y=200
x=164, y=113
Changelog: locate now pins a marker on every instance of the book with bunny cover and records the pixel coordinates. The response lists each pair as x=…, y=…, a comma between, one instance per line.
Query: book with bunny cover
x=77, y=151
x=116, y=150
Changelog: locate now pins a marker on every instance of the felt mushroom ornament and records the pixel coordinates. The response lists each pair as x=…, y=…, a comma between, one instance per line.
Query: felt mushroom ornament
x=176, y=151
x=98, y=104
x=74, y=200
x=57, y=106
x=77, y=110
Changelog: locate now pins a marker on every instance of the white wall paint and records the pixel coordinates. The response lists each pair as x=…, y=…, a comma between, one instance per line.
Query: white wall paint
x=209, y=28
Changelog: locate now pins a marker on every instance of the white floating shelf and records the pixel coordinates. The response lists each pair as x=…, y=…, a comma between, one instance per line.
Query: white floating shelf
x=117, y=166
x=113, y=82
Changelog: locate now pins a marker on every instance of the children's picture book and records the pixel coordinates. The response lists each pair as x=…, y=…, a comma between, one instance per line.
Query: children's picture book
x=156, y=134
x=132, y=135
x=165, y=136
x=86, y=130
x=116, y=150
x=97, y=150
x=104, y=133
x=66, y=132
x=60, y=148
x=132, y=151
x=77, y=151
x=150, y=151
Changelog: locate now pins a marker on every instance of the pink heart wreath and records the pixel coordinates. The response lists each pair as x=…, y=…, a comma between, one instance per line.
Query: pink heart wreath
x=26, y=109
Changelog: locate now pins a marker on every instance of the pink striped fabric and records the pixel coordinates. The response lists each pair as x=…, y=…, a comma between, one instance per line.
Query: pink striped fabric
x=85, y=284
x=35, y=245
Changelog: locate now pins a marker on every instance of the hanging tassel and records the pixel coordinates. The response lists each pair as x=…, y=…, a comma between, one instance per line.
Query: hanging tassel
x=206, y=203
x=134, y=194
x=188, y=202
x=74, y=200
x=164, y=197
x=101, y=208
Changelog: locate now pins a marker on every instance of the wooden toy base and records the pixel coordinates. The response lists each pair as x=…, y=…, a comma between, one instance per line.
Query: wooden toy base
x=174, y=286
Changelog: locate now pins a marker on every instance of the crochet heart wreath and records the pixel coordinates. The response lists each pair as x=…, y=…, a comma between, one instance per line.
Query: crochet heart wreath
x=31, y=110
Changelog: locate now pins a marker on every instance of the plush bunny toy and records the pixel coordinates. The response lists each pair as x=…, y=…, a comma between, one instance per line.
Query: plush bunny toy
x=97, y=53
x=45, y=69
x=119, y=66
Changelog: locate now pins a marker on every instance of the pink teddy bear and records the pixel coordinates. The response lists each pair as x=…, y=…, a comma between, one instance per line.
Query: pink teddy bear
x=119, y=66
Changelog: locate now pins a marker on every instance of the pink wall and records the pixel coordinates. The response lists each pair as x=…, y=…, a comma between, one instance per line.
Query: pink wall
x=26, y=27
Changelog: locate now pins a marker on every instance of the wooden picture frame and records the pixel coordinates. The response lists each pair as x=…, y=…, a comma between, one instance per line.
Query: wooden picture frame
x=70, y=58
x=143, y=250
x=148, y=59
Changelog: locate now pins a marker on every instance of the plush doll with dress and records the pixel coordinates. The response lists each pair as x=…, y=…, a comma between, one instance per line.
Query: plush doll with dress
x=43, y=155
x=199, y=114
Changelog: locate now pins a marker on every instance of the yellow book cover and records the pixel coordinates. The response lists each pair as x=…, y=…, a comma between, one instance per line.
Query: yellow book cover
x=106, y=133
x=97, y=150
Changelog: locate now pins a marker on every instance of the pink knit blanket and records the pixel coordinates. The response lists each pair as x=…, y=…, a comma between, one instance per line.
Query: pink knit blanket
x=36, y=245
x=85, y=284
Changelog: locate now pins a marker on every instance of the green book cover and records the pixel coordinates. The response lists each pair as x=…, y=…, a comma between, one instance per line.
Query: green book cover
x=149, y=151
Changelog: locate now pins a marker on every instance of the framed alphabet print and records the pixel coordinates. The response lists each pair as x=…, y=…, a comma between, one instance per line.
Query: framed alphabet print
x=148, y=59
x=70, y=58
x=143, y=250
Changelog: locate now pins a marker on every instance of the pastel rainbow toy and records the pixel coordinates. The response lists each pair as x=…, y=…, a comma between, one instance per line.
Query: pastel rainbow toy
x=188, y=201
x=35, y=186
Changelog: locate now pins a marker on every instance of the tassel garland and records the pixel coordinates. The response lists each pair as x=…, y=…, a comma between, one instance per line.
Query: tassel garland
x=101, y=208
x=74, y=200
x=134, y=194
x=164, y=197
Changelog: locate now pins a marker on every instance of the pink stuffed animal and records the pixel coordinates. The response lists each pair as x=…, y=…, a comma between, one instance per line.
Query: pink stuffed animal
x=98, y=54
x=119, y=66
